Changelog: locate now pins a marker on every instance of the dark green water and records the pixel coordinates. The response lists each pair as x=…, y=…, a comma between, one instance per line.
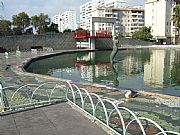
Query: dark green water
x=149, y=70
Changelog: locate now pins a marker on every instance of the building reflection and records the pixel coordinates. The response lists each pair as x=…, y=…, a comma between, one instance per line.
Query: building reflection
x=93, y=68
x=155, y=66
x=157, y=72
x=90, y=68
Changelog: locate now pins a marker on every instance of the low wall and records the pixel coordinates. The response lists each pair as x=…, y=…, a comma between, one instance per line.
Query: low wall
x=61, y=41
x=106, y=43
x=56, y=41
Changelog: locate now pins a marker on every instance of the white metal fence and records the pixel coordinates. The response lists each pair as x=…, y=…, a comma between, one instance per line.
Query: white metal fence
x=100, y=109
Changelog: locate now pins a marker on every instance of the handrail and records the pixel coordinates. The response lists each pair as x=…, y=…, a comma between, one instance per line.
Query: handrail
x=38, y=89
x=84, y=94
x=21, y=88
x=104, y=107
x=80, y=93
x=90, y=98
x=117, y=108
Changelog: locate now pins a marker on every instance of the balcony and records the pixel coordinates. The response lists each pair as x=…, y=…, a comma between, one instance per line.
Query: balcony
x=92, y=34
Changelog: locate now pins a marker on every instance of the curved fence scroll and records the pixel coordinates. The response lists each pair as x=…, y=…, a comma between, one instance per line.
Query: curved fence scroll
x=116, y=117
x=122, y=127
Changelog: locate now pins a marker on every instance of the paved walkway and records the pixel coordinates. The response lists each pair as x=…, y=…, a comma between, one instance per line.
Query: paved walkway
x=12, y=124
x=58, y=119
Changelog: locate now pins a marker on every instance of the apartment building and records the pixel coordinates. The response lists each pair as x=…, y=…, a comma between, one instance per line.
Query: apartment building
x=56, y=20
x=128, y=20
x=88, y=9
x=66, y=20
x=158, y=16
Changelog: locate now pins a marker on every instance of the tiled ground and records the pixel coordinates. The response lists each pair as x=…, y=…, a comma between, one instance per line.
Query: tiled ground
x=58, y=119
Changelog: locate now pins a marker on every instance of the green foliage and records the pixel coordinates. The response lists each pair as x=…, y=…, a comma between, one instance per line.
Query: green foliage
x=175, y=73
x=21, y=20
x=5, y=27
x=145, y=56
x=17, y=31
x=35, y=21
x=67, y=30
x=79, y=29
x=41, y=21
x=53, y=28
x=176, y=18
x=143, y=34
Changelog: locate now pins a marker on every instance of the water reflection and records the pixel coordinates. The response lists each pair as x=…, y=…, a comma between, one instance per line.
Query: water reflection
x=157, y=72
x=154, y=70
x=115, y=74
x=163, y=71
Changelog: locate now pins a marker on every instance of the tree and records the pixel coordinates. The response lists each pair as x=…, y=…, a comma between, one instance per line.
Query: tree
x=176, y=19
x=17, y=31
x=143, y=34
x=21, y=20
x=67, y=30
x=43, y=22
x=53, y=28
x=40, y=22
x=79, y=29
x=35, y=21
x=5, y=28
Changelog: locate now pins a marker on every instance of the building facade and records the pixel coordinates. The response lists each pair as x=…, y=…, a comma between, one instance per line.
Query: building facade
x=88, y=9
x=158, y=16
x=128, y=20
x=66, y=20
x=56, y=20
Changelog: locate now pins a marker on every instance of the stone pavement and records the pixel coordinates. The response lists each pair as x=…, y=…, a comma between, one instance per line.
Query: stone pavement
x=59, y=119
x=168, y=117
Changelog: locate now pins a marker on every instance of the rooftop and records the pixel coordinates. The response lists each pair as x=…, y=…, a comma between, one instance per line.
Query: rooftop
x=128, y=9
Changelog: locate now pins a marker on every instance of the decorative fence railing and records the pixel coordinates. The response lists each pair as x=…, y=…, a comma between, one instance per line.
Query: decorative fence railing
x=120, y=120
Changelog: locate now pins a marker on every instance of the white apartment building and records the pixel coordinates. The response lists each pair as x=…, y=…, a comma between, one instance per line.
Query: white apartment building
x=158, y=16
x=128, y=20
x=66, y=20
x=88, y=9
x=56, y=20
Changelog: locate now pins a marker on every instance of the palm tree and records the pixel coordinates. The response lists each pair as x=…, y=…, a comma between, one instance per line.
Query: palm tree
x=176, y=19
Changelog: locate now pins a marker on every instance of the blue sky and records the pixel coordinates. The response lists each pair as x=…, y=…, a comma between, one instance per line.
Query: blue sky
x=50, y=7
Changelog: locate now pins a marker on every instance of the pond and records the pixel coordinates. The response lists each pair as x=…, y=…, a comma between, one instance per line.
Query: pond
x=149, y=70
x=140, y=69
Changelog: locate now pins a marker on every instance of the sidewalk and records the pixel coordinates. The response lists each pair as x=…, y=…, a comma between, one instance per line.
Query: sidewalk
x=58, y=119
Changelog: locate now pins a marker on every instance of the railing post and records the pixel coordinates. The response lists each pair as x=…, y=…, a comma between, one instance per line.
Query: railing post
x=4, y=101
x=1, y=97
